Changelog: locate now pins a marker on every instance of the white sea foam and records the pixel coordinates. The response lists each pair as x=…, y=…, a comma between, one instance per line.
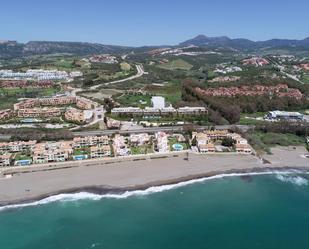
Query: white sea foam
x=297, y=180
x=150, y=190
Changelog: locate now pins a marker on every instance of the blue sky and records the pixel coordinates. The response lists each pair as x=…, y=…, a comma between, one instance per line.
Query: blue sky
x=151, y=22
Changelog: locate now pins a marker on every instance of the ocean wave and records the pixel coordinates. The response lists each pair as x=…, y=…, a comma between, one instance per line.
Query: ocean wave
x=297, y=180
x=281, y=175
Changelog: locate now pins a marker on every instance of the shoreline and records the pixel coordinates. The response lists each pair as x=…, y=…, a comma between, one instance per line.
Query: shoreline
x=121, y=176
x=105, y=190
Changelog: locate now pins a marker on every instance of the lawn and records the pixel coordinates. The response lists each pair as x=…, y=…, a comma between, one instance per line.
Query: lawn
x=135, y=100
x=10, y=96
x=173, y=140
x=305, y=78
x=171, y=92
x=20, y=156
x=143, y=149
x=176, y=64
x=81, y=151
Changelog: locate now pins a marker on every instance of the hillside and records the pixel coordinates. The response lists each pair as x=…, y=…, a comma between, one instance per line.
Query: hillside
x=10, y=49
x=245, y=44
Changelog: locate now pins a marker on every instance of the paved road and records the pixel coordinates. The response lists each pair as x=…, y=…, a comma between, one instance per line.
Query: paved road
x=140, y=72
x=152, y=130
x=147, y=130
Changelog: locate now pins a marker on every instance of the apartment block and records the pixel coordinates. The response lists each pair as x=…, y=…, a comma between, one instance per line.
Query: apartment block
x=76, y=115
x=80, y=142
x=52, y=152
x=85, y=104
x=39, y=112
x=6, y=114
x=5, y=160
x=100, y=151
x=17, y=146
x=120, y=146
x=162, y=141
x=139, y=139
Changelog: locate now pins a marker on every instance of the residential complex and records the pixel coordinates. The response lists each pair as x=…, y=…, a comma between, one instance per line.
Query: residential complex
x=21, y=153
x=150, y=111
x=205, y=141
x=39, y=112
x=162, y=142
x=103, y=58
x=6, y=114
x=38, y=74
x=79, y=116
x=280, y=90
x=255, y=61
x=26, y=84
x=52, y=152
x=50, y=107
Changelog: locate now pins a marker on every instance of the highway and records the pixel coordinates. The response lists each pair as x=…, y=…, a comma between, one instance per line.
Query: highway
x=153, y=130
x=142, y=130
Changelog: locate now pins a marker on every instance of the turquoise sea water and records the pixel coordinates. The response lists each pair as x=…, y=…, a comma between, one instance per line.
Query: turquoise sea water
x=269, y=211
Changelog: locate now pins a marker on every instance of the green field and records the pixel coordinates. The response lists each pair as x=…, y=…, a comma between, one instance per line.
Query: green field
x=305, y=78
x=176, y=64
x=10, y=96
x=83, y=151
x=143, y=149
x=264, y=141
x=171, y=92
x=135, y=100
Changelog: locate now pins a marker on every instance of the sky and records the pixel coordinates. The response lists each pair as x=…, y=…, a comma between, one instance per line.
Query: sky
x=151, y=22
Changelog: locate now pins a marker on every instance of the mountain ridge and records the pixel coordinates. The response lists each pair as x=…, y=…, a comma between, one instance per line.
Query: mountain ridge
x=242, y=43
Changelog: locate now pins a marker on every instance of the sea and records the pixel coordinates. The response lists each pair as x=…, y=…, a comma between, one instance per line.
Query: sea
x=264, y=210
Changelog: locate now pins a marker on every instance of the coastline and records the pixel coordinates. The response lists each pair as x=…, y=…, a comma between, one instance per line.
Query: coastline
x=122, y=176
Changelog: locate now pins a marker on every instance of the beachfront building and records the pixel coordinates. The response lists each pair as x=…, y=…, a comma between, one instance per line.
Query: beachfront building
x=203, y=142
x=39, y=112
x=5, y=160
x=6, y=114
x=162, y=142
x=52, y=152
x=100, y=151
x=120, y=146
x=139, y=139
x=17, y=146
x=80, y=116
x=81, y=142
x=241, y=145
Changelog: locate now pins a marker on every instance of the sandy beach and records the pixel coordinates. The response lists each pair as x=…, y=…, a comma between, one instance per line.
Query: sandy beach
x=101, y=176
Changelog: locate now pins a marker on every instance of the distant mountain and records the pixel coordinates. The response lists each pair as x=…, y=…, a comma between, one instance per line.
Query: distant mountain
x=10, y=49
x=245, y=44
